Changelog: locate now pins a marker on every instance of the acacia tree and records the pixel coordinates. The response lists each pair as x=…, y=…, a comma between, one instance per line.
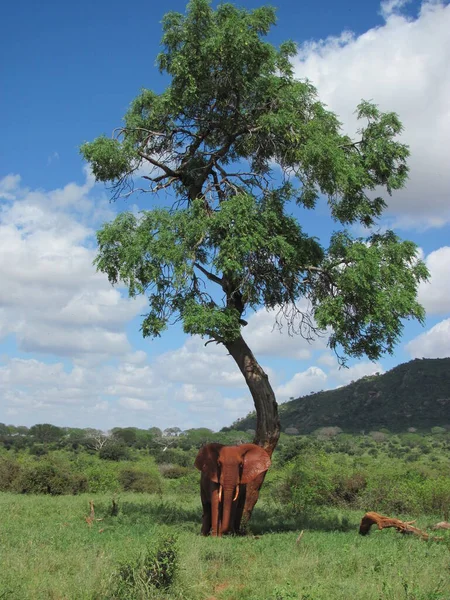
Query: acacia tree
x=239, y=141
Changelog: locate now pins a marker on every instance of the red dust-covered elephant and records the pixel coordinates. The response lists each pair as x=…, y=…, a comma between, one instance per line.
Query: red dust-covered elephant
x=225, y=472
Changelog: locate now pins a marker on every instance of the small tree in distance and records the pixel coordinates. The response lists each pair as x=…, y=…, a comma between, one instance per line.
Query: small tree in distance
x=239, y=142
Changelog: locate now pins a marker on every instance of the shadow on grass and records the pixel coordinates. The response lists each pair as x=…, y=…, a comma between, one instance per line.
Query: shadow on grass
x=277, y=520
x=265, y=519
x=164, y=513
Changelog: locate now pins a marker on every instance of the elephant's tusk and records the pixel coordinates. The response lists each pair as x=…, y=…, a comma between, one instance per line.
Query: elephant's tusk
x=236, y=494
x=220, y=493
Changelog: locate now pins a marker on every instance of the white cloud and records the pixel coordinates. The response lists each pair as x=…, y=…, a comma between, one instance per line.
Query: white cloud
x=193, y=363
x=434, y=343
x=8, y=185
x=403, y=67
x=435, y=294
x=357, y=371
x=51, y=296
x=315, y=379
x=135, y=404
x=390, y=7
x=311, y=380
x=328, y=359
x=266, y=339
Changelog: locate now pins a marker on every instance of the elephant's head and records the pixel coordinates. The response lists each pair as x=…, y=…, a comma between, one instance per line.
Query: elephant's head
x=231, y=467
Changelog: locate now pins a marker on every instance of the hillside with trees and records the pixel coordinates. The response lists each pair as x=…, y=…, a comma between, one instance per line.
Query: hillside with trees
x=412, y=395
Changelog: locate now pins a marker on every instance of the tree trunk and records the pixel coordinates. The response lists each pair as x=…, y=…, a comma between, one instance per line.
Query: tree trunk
x=267, y=420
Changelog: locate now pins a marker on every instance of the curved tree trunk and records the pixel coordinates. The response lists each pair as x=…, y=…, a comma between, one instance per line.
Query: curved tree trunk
x=267, y=420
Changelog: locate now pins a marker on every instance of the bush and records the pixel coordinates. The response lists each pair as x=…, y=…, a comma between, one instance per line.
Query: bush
x=115, y=450
x=435, y=496
x=38, y=450
x=173, y=471
x=45, y=478
x=133, y=480
x=308, y=483
x=175, y=456
x=348, y=488
x=9, y=472
x=102, y=477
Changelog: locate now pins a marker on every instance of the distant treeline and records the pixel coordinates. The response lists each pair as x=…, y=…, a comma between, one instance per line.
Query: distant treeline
x=383, y=471
x=42, y=437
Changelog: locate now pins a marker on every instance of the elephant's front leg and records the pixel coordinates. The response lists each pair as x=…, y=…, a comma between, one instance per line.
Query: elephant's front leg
x=215, y=510
x=206, y=519
x=205, y=495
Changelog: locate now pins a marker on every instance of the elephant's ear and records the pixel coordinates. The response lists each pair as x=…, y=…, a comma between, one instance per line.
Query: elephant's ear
x=255, y=461
x=206, y=461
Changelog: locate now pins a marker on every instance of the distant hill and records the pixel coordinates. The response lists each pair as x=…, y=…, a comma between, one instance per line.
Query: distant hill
x=414, y=394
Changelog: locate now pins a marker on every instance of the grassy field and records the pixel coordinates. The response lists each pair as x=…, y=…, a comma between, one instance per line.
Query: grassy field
x=48, y=551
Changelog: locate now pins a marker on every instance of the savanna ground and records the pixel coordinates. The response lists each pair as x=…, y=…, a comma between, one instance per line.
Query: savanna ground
x=152, y=547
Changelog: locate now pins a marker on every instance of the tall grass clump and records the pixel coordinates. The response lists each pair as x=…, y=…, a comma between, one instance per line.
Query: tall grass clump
x=154, y=569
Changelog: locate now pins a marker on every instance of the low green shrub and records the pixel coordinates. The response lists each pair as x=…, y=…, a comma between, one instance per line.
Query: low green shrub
x=133, y=480
x=9, y=473
x=45, y=478
x=115, y=450
x=170, y=471
x=175, y=456
x=307, y=483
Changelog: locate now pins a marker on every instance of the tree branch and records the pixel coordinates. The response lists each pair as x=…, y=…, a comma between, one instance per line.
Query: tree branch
x=209, y=275
x=167, y=170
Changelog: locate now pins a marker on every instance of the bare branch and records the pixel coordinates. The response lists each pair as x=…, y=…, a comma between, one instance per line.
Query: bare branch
x=167, y=170
x=209, y=275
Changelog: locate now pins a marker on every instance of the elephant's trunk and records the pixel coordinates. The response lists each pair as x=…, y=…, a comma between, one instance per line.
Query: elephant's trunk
x=229, y=496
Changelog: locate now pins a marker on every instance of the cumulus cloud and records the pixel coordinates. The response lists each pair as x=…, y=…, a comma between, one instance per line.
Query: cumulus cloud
x=311, y=380
x=434, y=295
x=403, y=67
x=390, y=7
x=315, y=379
x=193, y=363
x=105, y=396
x=266, y=339
x=434, y=343
x=357, y=371
x=52, y=299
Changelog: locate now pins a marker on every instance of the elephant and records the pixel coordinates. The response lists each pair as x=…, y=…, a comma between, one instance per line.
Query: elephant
x=225, y=472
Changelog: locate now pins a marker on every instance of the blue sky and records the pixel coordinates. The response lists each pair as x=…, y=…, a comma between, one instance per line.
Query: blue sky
x=70, y=348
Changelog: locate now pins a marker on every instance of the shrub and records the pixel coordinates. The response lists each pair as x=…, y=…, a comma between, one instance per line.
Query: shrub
x=170, y=471
x=115, y=450
x=395, y=491
x=435, y=496
x=45, y=478
x=175, y=456
x=133, y=480
x=348, y=488
x=9, y=472
x=308, y=483
x=38, y=450
x=102, y=477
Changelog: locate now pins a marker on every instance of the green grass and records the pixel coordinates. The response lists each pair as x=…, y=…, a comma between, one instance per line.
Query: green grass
x=48, y=551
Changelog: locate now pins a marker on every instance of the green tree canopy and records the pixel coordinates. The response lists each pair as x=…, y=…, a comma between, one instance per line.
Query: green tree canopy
x=46, y=433
x=239, y=142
